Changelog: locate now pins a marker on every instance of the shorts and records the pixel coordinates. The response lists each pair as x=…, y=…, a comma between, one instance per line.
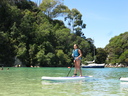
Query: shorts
x=78, y=58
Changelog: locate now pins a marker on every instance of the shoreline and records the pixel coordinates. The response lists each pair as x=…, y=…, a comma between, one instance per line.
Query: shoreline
x=116, y=66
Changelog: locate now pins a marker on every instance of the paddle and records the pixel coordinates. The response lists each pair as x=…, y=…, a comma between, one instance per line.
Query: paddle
x=70, y=70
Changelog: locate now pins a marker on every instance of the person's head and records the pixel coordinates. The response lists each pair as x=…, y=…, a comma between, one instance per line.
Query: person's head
x=75, y=46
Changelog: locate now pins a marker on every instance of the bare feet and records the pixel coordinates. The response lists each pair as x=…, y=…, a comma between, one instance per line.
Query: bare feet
x=80, y=76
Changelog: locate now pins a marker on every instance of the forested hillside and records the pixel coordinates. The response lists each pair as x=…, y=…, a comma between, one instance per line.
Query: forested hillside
x=117, y=49
x=31, y=34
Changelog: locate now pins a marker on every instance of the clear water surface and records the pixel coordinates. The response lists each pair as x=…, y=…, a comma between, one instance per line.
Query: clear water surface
x=27, y=82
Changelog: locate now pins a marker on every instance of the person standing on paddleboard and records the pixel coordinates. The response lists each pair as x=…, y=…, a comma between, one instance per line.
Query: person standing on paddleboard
x=77, y=54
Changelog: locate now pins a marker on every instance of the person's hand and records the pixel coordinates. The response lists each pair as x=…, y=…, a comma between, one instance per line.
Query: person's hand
x=77, y=58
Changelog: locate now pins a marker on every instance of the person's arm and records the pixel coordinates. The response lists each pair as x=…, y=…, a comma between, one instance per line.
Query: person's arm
x=80, y=53
x=72, y=53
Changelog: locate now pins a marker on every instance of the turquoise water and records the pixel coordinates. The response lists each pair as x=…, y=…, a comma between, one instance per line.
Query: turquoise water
x=27, y=82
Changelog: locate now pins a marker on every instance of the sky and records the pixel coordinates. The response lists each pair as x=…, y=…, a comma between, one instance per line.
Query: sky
x=104, y=19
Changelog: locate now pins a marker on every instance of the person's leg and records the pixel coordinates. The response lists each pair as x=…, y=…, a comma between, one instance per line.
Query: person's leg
x=78, y=67
x=75, y=70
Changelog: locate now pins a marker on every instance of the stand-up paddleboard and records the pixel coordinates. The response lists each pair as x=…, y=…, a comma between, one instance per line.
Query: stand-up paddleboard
x=64, y=78
x=124, y=79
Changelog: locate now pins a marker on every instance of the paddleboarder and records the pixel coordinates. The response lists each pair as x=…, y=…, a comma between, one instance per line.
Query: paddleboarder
x=77, y=54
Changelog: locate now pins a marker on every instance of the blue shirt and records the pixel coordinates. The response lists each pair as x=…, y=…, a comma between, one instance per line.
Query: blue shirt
x=75, y=53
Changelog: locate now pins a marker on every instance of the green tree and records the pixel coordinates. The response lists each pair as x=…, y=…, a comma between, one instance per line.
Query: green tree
x=8, y=14
x=40, y=56
x=6, y=50
x=100, y=55
x=27, y=29
x=63, y=59
x=36, y=38
x=53, y=8
x=116, y=47
x=124, y=58
x=75, y=22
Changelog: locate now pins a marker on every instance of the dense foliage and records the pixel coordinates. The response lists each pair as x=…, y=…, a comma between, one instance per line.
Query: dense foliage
x=118, y=50
x=31, y=34
x=35, y=38
x=101, y=55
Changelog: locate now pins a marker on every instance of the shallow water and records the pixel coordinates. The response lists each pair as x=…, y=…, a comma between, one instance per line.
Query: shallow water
x=27, y=82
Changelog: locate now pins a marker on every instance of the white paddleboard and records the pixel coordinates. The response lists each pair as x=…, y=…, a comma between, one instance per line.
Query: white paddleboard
x=64, y=78
x=124, y=79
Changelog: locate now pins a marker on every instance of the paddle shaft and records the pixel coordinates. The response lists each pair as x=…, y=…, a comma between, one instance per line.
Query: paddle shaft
x=69, y=71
